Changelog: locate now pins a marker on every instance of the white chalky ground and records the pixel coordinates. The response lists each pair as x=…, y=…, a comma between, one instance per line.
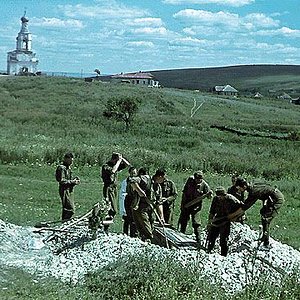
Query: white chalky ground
x=20, y=247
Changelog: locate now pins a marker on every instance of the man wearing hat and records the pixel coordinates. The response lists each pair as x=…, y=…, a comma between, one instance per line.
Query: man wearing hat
x=167, y=195
x=194, y=191
x=271, y=197
x=233, y=190
x=109, y=176
x=67, y=183
x=222, y=206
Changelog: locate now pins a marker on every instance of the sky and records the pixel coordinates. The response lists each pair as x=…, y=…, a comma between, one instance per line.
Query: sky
x=140, y=35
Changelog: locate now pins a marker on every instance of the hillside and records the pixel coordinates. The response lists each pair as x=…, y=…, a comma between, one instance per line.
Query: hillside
x=41, y=117
x=246, y=78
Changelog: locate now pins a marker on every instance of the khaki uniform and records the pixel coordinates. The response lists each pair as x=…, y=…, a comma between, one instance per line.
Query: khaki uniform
x=169, y=194
x=240, y=196
x=66, y=187
x=191, y=191
x=129, y=224
x=272, y=200
x=110, y=192
x=221, y=207
x=141, y=209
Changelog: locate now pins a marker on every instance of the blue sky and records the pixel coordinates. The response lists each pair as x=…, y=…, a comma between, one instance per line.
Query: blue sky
x=131, y=35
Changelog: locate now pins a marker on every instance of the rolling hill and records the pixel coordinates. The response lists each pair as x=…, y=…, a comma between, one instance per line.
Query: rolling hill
x=246, y=78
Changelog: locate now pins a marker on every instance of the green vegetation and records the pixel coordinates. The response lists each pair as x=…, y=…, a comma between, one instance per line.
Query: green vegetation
x=122, y=109
x=270, y=80
x=42, y=118
x=136, y=278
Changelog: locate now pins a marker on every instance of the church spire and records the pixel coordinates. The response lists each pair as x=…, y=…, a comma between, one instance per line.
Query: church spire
x=23, y=59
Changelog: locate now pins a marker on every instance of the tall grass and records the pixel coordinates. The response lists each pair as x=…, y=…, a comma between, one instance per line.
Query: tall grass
x=44, y=117
x=142, y=278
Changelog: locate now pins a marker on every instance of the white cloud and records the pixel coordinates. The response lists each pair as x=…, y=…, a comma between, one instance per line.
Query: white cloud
x=260, y=20
x=189, y=31
x=86, y=55
x=235, y=3
x=107, y=10
x=188, y=41
x=223, y=18
x=141, y=44
x=148, y=22
x=55, y=22
x=283, y=31
x=276, y=48
x=151, y=31
x=207, y=17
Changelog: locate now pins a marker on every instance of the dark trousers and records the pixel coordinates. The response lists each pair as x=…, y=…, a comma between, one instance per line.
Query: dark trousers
x=224, y=232
x=268, y=212
x=184, y=218
x=67, y=200
x=129, y=226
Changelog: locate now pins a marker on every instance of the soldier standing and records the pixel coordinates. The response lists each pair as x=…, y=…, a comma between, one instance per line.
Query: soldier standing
x=129, y=225
x=142, y=205
x=222, y=205
x=233, y=190
x=63, y=175
x=109, y=176
x=169, y=194
x=194, y=191
x=271, y=197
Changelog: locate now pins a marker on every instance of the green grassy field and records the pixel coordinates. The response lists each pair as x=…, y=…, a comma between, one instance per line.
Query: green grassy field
x=42, y=118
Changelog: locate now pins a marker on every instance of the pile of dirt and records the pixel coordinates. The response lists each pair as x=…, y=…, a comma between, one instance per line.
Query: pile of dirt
x=69, y=259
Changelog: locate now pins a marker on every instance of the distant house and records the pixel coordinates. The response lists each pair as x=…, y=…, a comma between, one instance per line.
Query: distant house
x=138, y=78
x=258, y=95
x=225, y=90
x=295, y=101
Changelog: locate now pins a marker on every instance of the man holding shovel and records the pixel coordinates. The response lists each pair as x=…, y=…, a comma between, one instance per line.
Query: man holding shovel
x=224, y=209
x=194, y=191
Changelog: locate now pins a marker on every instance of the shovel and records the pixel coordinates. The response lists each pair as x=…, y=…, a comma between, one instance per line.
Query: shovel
x=46, y=224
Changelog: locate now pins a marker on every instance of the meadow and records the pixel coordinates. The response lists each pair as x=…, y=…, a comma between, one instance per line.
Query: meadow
x=43, y=117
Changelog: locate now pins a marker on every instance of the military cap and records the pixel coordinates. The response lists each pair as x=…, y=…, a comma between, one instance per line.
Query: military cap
x=198, y=174
x=220, y=191
x=240, y=182
x=69, y=155
x=160, y=172
x=115, y=155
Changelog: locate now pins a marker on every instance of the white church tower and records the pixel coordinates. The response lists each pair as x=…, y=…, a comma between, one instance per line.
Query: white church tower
x=22, y=60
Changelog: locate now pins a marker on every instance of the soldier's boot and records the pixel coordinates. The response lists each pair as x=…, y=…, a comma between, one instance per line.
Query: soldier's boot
x=224, y=249
x=197, y=232
x=265, y=233
x=210, y=247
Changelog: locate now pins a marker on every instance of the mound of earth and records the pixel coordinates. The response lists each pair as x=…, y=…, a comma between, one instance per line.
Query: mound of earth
x=70, y=258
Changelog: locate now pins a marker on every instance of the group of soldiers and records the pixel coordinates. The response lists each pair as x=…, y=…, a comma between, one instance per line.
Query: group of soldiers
x=145, y=199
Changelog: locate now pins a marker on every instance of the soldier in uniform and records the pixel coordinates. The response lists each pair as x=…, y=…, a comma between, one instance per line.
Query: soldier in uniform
x=67, y=183
x=142, y=205
x=233, y=190
x=129, y=225
x=195, y=188
x=109, y=176
x=222, y=205
x=169, y=194
x=271, y=197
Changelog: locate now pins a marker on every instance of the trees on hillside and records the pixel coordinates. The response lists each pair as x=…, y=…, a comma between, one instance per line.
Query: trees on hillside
x=97, y=71
x=122, y=109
